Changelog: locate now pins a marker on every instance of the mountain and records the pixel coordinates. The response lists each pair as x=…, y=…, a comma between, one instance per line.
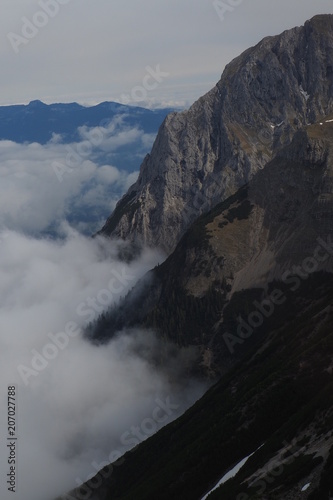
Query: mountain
x=276, y=403
x=203, y=155
x=248, y=282
x=250, y=285
x=39, y=122
x=268, y=231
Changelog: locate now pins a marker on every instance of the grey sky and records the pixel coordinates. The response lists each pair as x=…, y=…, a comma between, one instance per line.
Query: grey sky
x=90, y=51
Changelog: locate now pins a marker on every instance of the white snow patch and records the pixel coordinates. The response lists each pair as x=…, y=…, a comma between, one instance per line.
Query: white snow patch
x=231, y=473
x=306, y=487
x=329, y=121
x=304, y=93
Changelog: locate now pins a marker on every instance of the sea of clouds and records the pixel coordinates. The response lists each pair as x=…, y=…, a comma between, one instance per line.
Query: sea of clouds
x=42, y=185
x=75, y=401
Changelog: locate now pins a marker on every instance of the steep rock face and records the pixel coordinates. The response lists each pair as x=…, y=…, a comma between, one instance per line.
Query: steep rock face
x=203, y=155
x=268, y=226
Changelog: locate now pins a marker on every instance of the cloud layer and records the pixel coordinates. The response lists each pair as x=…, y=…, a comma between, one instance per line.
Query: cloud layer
x=44, y=185
x=79, y=406
x=77, y=403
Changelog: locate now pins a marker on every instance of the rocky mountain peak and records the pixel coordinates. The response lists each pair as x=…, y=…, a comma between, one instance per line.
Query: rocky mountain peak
x=204, y=154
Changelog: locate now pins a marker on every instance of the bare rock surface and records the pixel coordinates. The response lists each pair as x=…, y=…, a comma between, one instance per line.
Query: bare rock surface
x=203, y=155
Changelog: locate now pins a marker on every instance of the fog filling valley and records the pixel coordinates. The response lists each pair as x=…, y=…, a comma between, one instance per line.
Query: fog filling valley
x=79, y=405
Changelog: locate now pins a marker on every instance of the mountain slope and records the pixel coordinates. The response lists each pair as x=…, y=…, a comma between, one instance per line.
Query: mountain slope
x=280, y=395
x=276, y=228
x=277, y=388
x=203, y=155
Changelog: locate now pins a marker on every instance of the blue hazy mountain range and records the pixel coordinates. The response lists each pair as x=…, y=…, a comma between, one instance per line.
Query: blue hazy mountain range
x=38, y=122
x=53, y=154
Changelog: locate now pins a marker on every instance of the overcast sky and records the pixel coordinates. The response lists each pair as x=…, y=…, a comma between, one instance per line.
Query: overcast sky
x=91, y=51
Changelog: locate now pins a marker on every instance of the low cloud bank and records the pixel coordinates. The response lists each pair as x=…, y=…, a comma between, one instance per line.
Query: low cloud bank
x=78, y=405
x=42, y=185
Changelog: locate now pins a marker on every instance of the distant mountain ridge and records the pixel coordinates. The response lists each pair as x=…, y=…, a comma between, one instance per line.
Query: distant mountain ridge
x=37, y=122
x=64, y=137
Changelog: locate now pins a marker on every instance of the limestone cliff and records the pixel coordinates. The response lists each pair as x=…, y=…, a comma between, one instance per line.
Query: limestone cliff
x=203, y=155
